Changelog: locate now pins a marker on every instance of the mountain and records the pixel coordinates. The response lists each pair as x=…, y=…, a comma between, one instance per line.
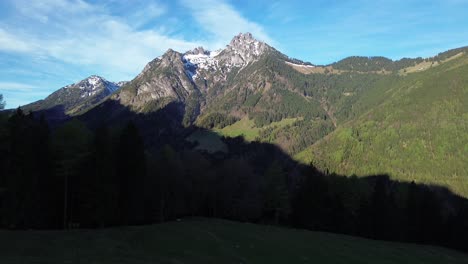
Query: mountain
x=75, y=98
x=381, y=146
x=382, y=64
x=193, y=75
x=316, y=112
x=355, y=116
x=413, y=127
x=248, y=79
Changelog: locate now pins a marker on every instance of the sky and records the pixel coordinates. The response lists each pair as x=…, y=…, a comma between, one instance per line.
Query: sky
x=47, y=44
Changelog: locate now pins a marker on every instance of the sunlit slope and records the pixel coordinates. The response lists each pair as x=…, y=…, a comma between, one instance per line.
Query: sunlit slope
x=418, y=131
x=209, y=241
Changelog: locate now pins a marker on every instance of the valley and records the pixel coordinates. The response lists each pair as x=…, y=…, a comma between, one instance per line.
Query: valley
x=365, y=146
x=223, y=131
x=250, y=89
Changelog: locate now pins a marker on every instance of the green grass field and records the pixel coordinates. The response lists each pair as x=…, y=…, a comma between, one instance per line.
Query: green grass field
x=246, y=128
x=209, y=241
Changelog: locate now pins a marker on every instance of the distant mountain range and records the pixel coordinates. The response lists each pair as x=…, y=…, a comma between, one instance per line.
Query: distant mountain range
x=360, y=115
x=78, y=97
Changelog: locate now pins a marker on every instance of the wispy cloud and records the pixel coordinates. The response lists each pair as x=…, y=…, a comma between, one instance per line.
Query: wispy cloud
x=76, y=32
x=140, y=13
x=18, y=94
x=11, y=86
x=11, y=43
x=41, y=10
x=223, y=21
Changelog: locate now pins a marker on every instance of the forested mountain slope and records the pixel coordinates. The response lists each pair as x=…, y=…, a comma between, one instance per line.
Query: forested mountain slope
x=414, y=128
x=155, y=149
x=406, y=117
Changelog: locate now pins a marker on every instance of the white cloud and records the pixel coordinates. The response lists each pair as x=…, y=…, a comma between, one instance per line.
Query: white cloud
x=145, y=13
x=79, y=33
x=12, y=86
x=112, y=38
x=41, y=10
x=223, y=21
x=17, y=94
x=9, y=42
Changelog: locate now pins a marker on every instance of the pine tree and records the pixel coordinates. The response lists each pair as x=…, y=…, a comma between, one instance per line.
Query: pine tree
x=379, y=208
x=2, y=103
x=71, y=150
x=104, y=175
x=131, y=174
x=276, y=197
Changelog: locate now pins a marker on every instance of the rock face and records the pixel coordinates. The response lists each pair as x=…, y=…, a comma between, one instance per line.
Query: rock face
x=198, y=81
x=95, y=86
x=77, y=97
x=163, y=79
x=196, y=74
x=243, y=50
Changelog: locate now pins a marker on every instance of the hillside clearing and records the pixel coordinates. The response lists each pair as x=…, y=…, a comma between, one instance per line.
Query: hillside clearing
x=246, y=128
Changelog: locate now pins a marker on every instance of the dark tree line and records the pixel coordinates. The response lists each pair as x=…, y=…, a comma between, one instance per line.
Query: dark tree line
x=217, y=120
x=75, y=177
x=369, y=64
x=374, y=64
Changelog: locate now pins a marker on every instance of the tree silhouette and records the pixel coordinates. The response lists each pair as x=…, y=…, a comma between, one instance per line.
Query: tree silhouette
x=276, y=196
x=131, y=171
x=2, y=103
x=70, y=176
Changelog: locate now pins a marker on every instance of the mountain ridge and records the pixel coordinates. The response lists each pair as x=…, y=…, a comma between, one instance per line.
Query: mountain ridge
x=242, y=50
x=77, y=97
x=251, y=89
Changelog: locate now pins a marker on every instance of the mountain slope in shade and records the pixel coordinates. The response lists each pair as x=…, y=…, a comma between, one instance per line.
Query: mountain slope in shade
x=78, y=97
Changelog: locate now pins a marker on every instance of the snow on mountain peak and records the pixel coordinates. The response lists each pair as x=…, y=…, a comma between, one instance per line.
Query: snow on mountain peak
x=94, y=85
x=94, y=80
x=199, y=58
x=242, y=50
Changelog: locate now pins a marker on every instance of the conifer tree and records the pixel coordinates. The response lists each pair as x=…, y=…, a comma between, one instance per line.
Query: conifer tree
x=131, y=174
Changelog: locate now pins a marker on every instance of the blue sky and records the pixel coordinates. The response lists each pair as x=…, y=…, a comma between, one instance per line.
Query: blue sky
x=47, y=44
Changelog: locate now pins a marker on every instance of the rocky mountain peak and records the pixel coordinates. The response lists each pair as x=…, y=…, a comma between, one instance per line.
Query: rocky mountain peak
x=244, y=49
x=94, y=80
x=242, y=38
x=246, y=44
x=79, y=96
x=170, y=55
x=195, y=70
x=171, y=58
x=198, y=51
x=93, y=85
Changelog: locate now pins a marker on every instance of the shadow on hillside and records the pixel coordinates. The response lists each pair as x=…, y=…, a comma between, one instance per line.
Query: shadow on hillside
x=55, y=116
x=269, y=187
